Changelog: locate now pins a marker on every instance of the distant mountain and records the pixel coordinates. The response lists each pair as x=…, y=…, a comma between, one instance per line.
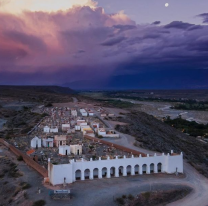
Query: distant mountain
x=164, y=79
x=39, y=89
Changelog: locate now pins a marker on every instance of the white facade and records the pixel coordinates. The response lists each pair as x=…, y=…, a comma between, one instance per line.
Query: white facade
x=91, y=113
x=48, y=142
x=65, y=127
x=35, y=142
x=83, y=112
x=46, y=129
x=64, y=150
x=114, y=168
x=76, y=149
x=77, y=127
x=74, y=113
x=54, y=130
x=85, y=127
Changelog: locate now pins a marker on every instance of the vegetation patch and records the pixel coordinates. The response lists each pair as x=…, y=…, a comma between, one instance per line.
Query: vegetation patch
x=39, y=203
x=154, y=198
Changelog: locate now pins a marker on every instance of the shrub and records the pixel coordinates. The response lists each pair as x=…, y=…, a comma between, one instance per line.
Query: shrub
x=20, y=158
x=124, y=196
x=25, y=185
x=130, y=197
x=39, y=203
x=120, y=201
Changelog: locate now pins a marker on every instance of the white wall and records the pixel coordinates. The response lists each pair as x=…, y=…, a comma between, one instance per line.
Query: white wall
x=169, y=165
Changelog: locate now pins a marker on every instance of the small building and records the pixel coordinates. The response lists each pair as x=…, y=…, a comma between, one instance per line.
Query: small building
x=46, y=129
x=71, y=131
x=76, y=149
x=101, y=132
x=48, y=142
x=83, y=112
x=85, y=127
x=77, y=127
x=36, y=142
x=89, y=133
x=91, y=113
x=64, y=150
x=54, y=130
x=65, y=127
x=74, y=112
x=60, y=140
x=103, y=115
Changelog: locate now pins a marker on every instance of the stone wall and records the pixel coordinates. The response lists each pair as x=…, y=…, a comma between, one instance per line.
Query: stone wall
x=29, y=161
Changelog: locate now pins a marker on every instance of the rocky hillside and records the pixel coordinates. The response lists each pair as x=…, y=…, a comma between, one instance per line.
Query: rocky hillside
x=37, y=93
x=153, y=134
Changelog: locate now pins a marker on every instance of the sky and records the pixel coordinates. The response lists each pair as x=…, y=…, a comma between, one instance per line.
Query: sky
x=104, y=44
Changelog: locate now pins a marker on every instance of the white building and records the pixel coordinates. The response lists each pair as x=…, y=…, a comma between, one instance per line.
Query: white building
x=109, y=133
x=91, y=113
x=35, y=142
x=65, y=127
x=83, y=112
x=64, y=150
x=82, y=170
x=76, y=149
x=46, y=129
x=74, y=112
x=54, y=130
x=48, y=142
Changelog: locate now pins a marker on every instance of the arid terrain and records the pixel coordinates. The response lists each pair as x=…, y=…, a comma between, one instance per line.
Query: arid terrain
x=140, y=128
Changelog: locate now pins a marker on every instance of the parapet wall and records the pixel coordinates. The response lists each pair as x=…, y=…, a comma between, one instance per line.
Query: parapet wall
x=112, y=167
x=29, y=161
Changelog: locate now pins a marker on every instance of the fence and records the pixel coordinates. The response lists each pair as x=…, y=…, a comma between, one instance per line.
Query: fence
x=29, y=161
x=125, y=149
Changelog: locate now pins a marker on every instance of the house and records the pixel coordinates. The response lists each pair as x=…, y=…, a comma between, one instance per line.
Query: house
x=74, y=112
x=101, y=132
x=35, y=142
x=76, y=149
x=103, y=115
x=64, y=150
x=83, y=112
x=85, y=127
x=46, y=129
x=95, y=126
x=60, y=140
x=48, y=142
x=110, y=133
x=71, y=131
x=89, y=133
x=65, y=127
x=91, y=113
x=54, y=130
x=111, y=115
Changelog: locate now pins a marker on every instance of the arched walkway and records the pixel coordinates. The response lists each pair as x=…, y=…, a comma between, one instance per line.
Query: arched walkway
x=112, y=171
x=87, y=174
x=128, y=170
x=95, y=173
x=136, y=169
x=144, y=169
x=120, y=170
x=104, y=172
x=78, y=175
x=159, y=167
x=152, y=168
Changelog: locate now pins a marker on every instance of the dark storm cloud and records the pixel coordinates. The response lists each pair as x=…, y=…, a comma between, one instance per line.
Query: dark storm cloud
x=113, y=41
x=204, y=16
x=156, y=23
x=69, y=46
x=178, y=25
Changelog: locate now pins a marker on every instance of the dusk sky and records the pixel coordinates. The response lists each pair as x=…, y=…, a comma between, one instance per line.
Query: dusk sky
x=104, y=44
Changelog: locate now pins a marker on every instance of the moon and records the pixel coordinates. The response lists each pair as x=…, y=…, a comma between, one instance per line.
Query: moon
x=167, y=4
